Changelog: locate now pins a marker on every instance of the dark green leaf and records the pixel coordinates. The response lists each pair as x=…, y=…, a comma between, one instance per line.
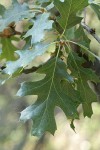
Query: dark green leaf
x=82, y=76
x=50, y=94
x=68, y=10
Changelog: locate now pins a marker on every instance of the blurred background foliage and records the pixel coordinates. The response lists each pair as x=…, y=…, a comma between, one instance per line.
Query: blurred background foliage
x=15, y=135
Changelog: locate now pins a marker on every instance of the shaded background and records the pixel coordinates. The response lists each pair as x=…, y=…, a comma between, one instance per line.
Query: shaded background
x=15, y=135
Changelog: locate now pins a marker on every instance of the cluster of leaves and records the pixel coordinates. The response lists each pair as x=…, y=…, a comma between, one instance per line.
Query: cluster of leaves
x=52, y=26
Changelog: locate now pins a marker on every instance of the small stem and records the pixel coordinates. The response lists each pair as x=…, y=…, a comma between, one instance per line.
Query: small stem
x=89, y=30
x=85, y=48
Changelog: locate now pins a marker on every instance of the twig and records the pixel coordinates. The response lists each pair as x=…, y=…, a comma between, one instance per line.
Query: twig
x=90, y=31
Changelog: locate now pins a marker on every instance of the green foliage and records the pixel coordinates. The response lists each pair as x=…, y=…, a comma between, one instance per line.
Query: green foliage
x=52, y=27
x=41, y=24
x=83, y=75
x=8, y=49
x=68, y=10
x=50, y=94
x=15, y=13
